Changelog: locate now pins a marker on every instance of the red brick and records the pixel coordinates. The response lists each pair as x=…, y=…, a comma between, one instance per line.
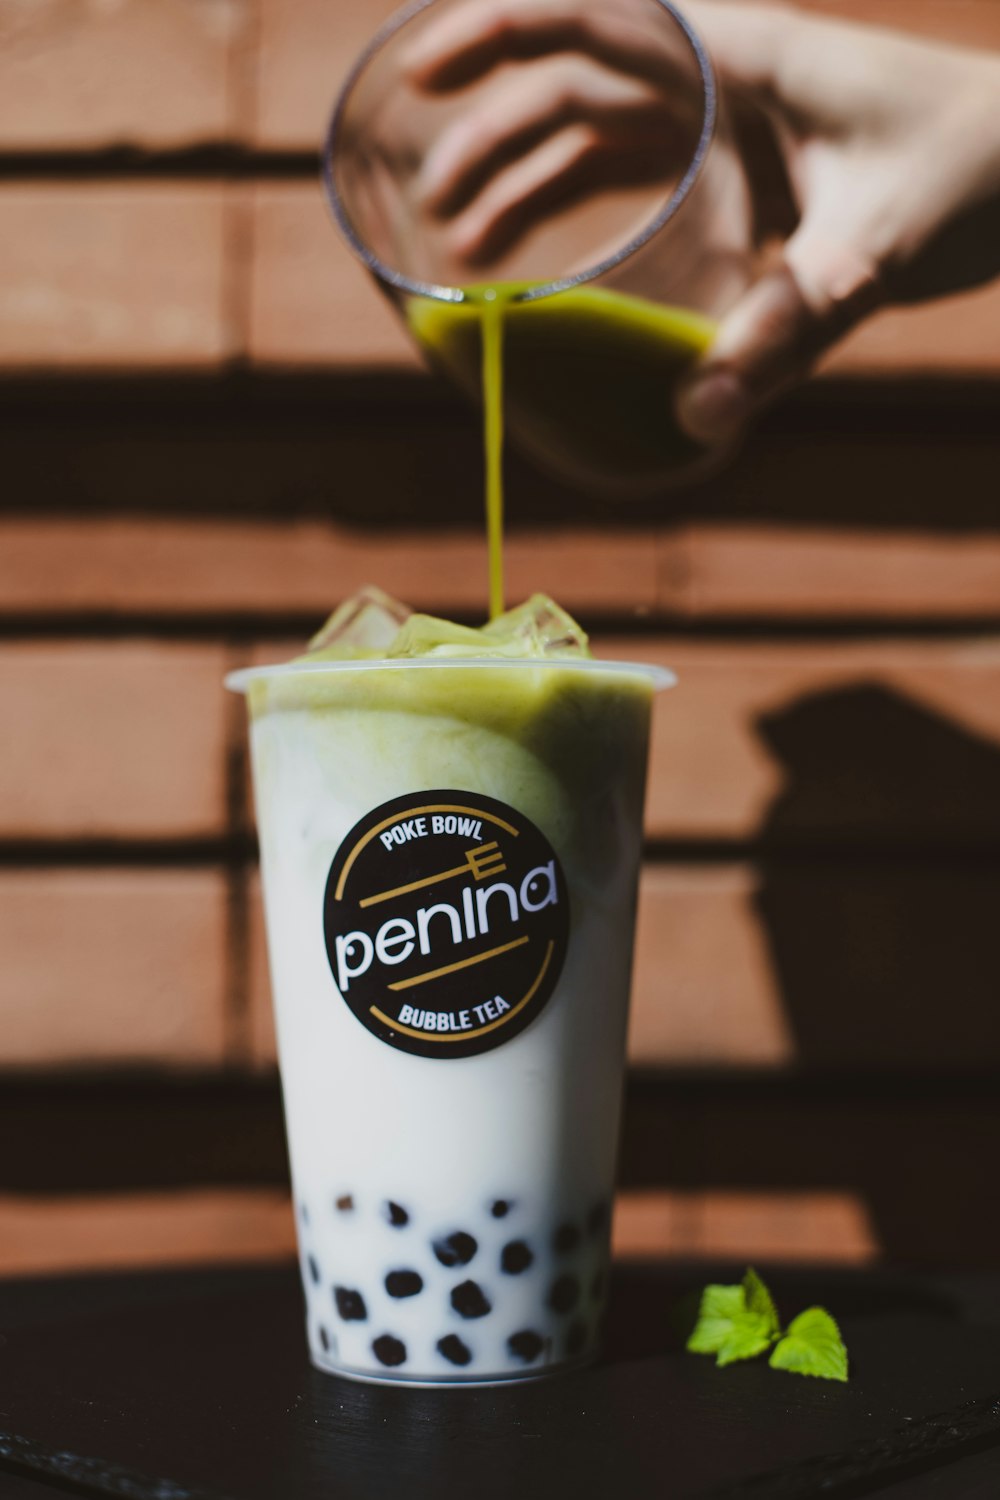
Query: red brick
x=44, y=1236
x=112, y=740
x=954, y=336
x=705, y=992
x=306, y=50
x=307, y=47
x=712, y=774
x=95, y=274
x=78, y=74
x=792, y=1226
x=112, y=966
x=824, y=572
x=175, y=567
x=969, y=23
x=40, y=1236
x=313, y=303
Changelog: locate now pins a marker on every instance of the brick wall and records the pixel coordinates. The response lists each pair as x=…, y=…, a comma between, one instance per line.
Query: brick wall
x=211, y=429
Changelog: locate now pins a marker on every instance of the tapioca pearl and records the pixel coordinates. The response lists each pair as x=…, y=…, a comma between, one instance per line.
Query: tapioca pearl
x=566, y=1239
x=469, y=1300
x=345, y=1203
x=455, y=1249
x=350, y=1304
x=389, y=1350
x=597, y=1218
x=500, y=1208
x=515, y=1257
x=397, y=1216
x=454, y=1350
x=564, y=1294
x=526, y=1345
x=576, y=1337
x=313, y=1269
x=404, y=1283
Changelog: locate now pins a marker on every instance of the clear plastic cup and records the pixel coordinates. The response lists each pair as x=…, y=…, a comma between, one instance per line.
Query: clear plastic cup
x=450, y=852
x=580, y=148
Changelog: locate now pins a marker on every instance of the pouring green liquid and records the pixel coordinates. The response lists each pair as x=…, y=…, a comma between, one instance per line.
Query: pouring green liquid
x=584, y=378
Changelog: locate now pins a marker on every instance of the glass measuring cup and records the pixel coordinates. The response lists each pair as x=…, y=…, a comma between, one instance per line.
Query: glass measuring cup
x=572, y=158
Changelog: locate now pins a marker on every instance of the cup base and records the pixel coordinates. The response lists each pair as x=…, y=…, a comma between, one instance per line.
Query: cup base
x=451, y=1382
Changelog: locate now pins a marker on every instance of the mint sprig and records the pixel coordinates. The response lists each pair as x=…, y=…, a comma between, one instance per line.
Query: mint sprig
x=735, y=1322
x=812, y=1346
x=741, y=1322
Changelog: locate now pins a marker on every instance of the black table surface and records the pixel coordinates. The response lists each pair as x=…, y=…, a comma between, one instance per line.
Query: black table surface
x=196, y=1386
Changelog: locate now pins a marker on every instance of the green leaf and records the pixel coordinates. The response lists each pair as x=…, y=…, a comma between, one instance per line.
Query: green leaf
x=735, y=1322
x=812, y=1346
x=750, y=1336
x=721, y=1307
x=759, y=1300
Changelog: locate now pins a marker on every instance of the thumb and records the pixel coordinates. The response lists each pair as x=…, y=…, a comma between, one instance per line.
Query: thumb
x=781, y=325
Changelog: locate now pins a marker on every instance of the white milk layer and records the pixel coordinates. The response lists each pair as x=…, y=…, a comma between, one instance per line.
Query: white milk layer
x=513, y=1147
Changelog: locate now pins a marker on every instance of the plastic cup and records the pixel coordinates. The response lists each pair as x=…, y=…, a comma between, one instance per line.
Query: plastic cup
x=450, y=852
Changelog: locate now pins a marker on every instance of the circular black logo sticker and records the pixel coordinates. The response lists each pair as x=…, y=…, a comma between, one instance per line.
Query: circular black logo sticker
x=446, y=919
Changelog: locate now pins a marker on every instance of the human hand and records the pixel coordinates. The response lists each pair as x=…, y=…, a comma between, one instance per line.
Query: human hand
x=597, y=98
x=890, y=151
x=887, y=148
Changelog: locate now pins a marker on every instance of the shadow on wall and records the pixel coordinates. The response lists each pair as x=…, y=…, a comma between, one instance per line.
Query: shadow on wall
x=886, y=949
x=887, y=946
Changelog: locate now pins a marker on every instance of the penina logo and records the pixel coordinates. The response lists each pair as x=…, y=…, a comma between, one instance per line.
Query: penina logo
x=446, y=920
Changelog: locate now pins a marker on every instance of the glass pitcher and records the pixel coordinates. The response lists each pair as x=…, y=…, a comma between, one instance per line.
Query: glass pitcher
x=570, y=158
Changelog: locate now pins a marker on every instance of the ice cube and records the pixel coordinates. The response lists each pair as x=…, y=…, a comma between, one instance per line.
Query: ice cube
x=425, y=635
x=366, y=624
x=542, y=628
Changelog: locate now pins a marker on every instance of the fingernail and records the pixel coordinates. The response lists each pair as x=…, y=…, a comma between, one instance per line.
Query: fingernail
x=713, y=408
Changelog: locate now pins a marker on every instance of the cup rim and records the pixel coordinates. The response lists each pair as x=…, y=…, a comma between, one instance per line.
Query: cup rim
x=240, y=681
x=439, y=293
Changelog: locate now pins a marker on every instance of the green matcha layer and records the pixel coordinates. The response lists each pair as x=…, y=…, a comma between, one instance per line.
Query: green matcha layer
x=525, y=681
x=587, y=374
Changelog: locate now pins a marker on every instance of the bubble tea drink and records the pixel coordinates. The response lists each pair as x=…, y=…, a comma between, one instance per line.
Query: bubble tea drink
x=450, y=824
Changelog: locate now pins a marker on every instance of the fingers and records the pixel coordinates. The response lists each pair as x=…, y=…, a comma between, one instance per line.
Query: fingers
x=775, y=334
x=516, y=199
x=573, y=164
x=519, y=110
x=468, y=41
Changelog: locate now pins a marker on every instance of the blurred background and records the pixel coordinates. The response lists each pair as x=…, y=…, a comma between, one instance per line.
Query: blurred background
x=211, y=429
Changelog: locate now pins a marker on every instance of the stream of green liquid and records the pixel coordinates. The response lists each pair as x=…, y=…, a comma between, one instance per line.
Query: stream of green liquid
x=584, y=378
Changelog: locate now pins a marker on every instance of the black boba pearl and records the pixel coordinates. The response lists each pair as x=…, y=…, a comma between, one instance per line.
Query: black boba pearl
x=564, y=1294
x=501, y=1208
x=455, y=1249
x=597, y=1218
x=454, y=1351
x=313, y=1268
x=576, y=1337
x=404, y=1283
x=526, y=1345
x=345, y=1203
x=469, y=1300
x=396, y=1215
x=389, y=1350
x=516, y=1257
x=565, y=1239
x=350, y=1305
